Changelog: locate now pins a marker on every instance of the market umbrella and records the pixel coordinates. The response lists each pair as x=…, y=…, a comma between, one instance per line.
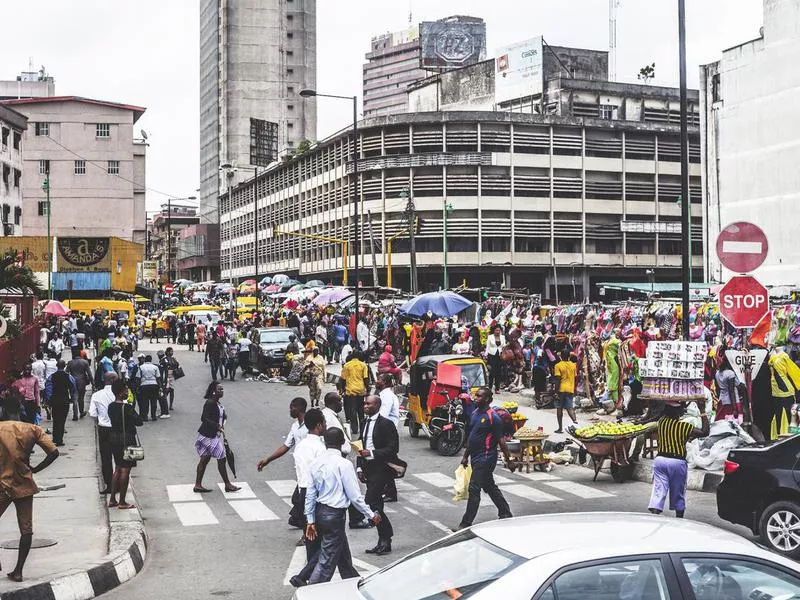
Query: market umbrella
x=56, y=308
x=229, y=456
x=332, y=296
x=440, y=304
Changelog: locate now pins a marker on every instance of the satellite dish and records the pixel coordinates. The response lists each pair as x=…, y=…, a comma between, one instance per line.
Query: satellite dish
x=144, y=134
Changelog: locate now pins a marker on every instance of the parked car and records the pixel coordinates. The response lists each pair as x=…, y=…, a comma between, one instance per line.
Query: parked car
x=761, y=490
x=579, y=556
x=270, y=344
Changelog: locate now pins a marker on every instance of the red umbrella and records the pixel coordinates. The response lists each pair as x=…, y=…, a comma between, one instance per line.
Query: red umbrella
x=54, y=307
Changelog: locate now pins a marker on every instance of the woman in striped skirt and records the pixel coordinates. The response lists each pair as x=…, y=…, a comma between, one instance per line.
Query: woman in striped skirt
x=210, y=442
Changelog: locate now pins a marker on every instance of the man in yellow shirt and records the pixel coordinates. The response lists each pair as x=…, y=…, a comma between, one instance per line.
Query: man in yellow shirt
x=566, y=371
x=354, y=385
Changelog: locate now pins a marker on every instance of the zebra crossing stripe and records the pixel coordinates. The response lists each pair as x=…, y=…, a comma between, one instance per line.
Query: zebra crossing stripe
x=253, y=510
x=244, y=492
x=578, y=489
x=282, y=487
x=183, y=493
x=436, y=479
x=192, y=514
x=529, y=493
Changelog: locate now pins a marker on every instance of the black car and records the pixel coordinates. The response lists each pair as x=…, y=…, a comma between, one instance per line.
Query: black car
x=270, y=346
x=761, y=490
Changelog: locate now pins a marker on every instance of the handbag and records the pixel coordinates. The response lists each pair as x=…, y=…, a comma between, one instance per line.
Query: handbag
x=132, y=453
x=398, y=467
x=177, y=373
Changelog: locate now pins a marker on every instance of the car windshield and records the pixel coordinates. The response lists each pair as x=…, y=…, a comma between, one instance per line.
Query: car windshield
x=275, y=337
x=456, y=567
x=204, y=316
x=474, y=374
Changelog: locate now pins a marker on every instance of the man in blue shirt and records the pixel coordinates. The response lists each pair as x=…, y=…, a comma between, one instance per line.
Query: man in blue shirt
x=485, y=434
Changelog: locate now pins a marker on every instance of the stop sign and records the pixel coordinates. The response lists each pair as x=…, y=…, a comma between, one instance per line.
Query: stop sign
x=742, y=247
x=743, y=301
x=168, y=288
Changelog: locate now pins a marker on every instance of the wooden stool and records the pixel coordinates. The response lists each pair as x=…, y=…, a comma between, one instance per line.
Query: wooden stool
x=650, y=444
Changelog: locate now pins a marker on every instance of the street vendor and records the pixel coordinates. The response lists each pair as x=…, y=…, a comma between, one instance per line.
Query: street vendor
x=670, y=470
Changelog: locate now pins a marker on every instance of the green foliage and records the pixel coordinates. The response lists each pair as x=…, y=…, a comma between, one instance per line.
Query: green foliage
x=647, y=72
x=16, y=278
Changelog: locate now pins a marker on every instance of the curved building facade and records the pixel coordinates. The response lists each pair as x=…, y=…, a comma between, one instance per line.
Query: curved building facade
x=528, y=200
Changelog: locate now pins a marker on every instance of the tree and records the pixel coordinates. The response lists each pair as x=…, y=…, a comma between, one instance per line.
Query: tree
x=17, y=278
x=647, y=72
x=303, y=146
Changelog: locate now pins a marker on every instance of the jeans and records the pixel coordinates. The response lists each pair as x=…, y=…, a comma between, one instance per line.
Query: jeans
x=333, y=547
x=354, y=411
x=378, y=474
x=483, y=479
x=216, y=367
x=78, y=402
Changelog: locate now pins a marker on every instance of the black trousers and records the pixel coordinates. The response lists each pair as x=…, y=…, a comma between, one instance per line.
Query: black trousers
x=297, y=514
x=378, y=474
x=149, y=401
x=60, y=408
x=354, y=411
x=483, y=479
x=495, y=369
x=333, y=549
x=30, y=411
x=216, y=367
x=78, y=403
x=106, y=456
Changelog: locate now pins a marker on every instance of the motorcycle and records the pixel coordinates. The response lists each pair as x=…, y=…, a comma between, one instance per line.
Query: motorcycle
x=447, y=428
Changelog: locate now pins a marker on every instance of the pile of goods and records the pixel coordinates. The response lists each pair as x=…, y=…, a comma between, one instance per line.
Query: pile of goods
x=511, y=407
x=529, y=433
x=673, y=371
x=608, y=430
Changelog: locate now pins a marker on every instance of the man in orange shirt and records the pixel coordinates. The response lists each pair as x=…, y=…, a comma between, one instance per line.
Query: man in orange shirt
x=16, y=475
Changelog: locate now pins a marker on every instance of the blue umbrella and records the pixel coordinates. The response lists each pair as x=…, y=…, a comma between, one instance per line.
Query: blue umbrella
x=441, y=304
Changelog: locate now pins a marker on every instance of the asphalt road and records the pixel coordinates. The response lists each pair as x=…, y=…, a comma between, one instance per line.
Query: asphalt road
x=242, y=547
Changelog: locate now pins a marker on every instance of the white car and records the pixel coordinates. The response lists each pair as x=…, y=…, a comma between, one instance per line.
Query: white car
x=579, y=556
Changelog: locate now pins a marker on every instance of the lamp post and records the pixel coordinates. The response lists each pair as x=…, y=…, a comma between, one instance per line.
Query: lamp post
x=686, y=205
x=357, y=197
x=46, y=187
x=447, y=209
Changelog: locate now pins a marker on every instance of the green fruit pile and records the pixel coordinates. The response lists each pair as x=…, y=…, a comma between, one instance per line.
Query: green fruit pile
x=609, y=428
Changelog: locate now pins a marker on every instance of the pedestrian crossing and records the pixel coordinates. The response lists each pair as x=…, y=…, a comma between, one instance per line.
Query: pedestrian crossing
x=428, y=493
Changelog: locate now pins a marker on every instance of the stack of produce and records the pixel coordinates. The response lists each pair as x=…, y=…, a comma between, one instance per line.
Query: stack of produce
x=608, y=429
x=529, y=433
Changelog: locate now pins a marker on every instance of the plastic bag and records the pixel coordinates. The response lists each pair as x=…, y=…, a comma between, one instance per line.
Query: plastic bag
x=461, y=486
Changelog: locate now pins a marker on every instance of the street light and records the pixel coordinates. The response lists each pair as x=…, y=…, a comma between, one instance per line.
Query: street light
x=307, y=93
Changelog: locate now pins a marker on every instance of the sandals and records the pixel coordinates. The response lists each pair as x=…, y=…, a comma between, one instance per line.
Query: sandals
x=232, y=488
x=126, y=506
x=201, y=490
x=112, y=503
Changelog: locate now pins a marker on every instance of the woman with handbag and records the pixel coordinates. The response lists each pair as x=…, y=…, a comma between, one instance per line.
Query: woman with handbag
x=125, y=445
x=210, y=441
x=494, y=348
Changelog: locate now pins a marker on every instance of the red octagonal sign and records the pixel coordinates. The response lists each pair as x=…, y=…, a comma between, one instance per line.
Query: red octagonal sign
x=743, y=301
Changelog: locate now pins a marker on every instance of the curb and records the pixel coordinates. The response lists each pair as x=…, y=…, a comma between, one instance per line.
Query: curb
x=698, y=480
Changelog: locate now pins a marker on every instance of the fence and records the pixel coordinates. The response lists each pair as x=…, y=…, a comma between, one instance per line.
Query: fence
x=15, y=352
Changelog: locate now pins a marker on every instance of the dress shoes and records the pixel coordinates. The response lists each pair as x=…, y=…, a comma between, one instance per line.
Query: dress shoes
x=297, y=582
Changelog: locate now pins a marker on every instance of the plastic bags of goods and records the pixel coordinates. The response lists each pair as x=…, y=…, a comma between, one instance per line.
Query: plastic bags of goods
x=710, y=453
x=461, y=486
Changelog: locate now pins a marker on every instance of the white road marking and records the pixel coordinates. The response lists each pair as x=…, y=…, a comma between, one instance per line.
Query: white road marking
x=734, y=247
x=183, y=493
x=424, y=500
x=389, y=511
x=439, y=480
x=441, y=527
x=283, y=487
x=411, y=510
x=500, y=480
x=404, y=485
x=536, y=476
x=195, y=513
x=529, y=493
x=242, y=494
x=578, y=489
x=253, y=510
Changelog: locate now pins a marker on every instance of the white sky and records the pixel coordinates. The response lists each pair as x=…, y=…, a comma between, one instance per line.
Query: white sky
x=146, y=52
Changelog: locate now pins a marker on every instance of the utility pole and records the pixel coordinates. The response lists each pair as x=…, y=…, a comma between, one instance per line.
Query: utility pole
x=46, y=187
x=446, y=209
x=686, y=204
x=411, y=216
x=357, y=204
x=372, y=244
x=255, y=235
x=169, y=240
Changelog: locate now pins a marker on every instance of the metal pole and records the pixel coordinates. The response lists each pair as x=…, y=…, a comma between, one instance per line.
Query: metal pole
x=444, y=242
x=255, y=235
x=357, y=200
x=169, y=240
x=372, y=244
x=686, y=201
x=49, y=241
x=412, y=225
x=389, y=263
x=555, y=278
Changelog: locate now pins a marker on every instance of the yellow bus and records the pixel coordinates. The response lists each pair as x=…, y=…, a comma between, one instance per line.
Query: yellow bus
x=112, y=309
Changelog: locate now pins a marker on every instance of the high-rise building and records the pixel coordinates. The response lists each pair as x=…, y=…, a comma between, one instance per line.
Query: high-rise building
x=398, y=59
x=12, y=128
x=255, y=57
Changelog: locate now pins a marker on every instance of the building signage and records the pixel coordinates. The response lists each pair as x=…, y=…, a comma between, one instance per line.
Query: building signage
x=83, y=254
x=149, y=270
x=451, y=44
x=428, y=159
x=519, y=70
x=650, y=227
x=263, y=142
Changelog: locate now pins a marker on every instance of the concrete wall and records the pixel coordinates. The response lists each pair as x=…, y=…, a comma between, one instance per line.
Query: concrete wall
x=12, y=126
x=209, y=117
x=470, y=88
x=752, y=141
x=578, y=63
x=96, y=203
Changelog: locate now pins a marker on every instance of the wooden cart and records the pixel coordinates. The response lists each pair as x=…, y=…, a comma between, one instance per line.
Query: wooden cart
x=531, y=453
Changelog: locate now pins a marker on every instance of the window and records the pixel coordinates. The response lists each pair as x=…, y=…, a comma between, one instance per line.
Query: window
x=289, y=34
x=102, y=130
x=42, y=208
x=17, y=215
x=80, y=167
x=290, y=71
x=290, y=106
x=113, y=167
x=736, y=578
x=715, y=91
x=290, y=89
x=44, y=167
x=42, y=129
x=607, y=111
x=641, y=579
x=463, y=564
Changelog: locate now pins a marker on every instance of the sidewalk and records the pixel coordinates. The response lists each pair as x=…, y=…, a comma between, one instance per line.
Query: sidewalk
x=86, y=554
x=698, y=480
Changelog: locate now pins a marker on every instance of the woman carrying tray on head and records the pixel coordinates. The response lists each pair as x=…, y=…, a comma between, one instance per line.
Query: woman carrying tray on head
x=669, y=468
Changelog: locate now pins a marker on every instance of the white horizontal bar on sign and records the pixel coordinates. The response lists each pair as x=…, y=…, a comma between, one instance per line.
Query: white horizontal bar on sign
x=733, y=247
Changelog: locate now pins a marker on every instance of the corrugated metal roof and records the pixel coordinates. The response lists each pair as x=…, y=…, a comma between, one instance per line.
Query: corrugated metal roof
x=90, y=281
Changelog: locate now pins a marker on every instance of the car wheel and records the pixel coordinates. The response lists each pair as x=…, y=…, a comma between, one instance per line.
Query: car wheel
x=780, y=528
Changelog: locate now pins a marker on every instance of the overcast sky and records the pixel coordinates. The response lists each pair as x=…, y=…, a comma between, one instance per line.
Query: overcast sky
x=146, y=52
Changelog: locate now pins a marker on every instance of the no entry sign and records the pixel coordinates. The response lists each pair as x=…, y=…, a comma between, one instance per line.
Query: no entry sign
x=168, y=288
x=743, y=301
x=742, y=247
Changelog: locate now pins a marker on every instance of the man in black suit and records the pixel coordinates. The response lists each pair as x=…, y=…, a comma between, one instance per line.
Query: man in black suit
x=381, y=443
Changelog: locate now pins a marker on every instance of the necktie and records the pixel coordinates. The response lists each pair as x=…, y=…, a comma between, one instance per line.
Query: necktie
x=366, y=432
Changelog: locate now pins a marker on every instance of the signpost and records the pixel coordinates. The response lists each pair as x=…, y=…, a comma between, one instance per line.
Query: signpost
x=743, y=302
x=168, y=288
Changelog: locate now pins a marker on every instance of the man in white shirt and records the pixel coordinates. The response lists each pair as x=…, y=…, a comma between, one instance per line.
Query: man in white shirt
x=98, y=409
x=39, y=370
x=390, y=404
x=297, y=410
x=346, y=350
x=305, y=455
x=56, y=345
x=334, y=487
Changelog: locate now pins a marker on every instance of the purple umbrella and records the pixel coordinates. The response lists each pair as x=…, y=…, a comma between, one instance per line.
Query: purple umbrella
x=332, y=296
